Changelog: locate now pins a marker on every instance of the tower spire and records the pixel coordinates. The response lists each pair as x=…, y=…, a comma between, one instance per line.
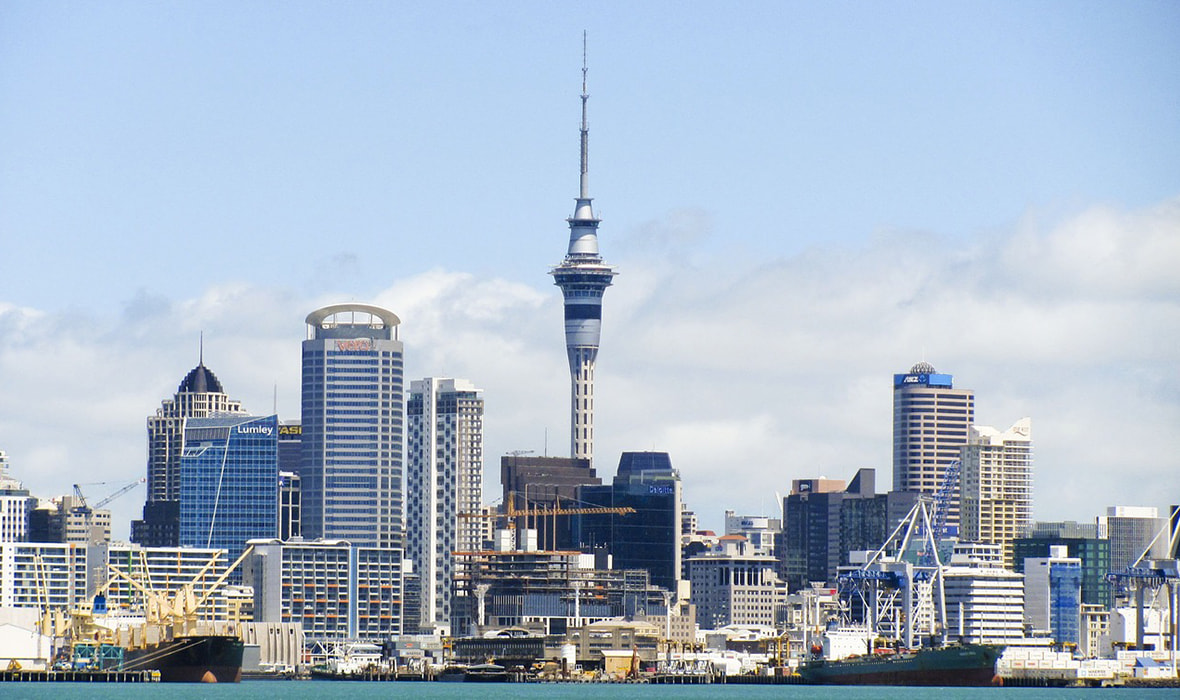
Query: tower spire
x=583, y=277
x=584, y=180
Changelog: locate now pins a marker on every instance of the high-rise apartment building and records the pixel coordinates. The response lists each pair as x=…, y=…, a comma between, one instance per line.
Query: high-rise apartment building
x=353, y=418
x=444, y=479
x=583, y=277
x=199, y=395
x=229, y=482
x=930, y=423
x=14, y=506
x=995, y=495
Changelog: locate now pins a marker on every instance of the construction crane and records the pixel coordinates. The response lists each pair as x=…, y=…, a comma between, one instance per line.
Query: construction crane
x=85, y=507
x=513, y=514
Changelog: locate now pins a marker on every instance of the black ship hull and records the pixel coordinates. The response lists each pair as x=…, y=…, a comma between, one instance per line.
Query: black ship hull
x=196, y=659
x=969, y=665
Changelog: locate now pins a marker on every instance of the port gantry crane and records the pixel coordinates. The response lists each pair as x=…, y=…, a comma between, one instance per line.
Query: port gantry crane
x=900, y=599
x=1150, y=575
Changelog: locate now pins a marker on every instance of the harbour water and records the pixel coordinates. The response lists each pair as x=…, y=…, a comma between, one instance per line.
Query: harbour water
x=338, y=690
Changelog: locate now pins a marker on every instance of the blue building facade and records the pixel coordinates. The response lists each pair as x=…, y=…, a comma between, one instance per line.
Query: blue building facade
x=229, y=482
x=353, y=425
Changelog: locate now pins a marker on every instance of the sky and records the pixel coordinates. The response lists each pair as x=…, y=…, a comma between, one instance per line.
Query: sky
x=801, y=199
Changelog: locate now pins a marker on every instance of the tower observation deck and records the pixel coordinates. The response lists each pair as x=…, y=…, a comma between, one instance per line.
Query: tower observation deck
x=583, y=276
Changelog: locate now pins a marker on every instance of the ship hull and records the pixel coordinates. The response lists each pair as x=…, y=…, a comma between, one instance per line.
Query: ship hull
x=197, y=659
x=970, y=665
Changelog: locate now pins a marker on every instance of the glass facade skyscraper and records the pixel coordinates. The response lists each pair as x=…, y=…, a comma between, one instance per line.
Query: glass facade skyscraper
x=229, y=482
x=353, y=422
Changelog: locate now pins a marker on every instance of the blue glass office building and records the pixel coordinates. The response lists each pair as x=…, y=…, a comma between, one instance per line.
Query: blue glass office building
x=353, y=423
x=229, y=481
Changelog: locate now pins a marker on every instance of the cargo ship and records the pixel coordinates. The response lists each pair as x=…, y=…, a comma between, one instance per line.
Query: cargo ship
x=964, y=665
x=205, y=658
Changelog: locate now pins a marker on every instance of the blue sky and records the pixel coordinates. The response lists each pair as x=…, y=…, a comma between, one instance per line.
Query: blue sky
x=802, y=199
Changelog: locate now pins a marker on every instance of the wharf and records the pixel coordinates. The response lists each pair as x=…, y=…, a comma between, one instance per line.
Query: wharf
x=23, y=676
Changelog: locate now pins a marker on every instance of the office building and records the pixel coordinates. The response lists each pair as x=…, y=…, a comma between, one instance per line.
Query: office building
x=15, y=504
x=761, y=532
x=647, y=539
x=582, y=277
x=930, y=423
x=199, y=395
x=1132, y=532
x=996, y=485
x=1053, y=595
x=338, y=592
x=984, y=601
x=353, y=422
x=1080, y=541
x=546, y=483
x=229, y=482
x=66, y=519
x=42, y=575
x=825, y=519
x=444, y=482
x=290, y=512
x=734, y=585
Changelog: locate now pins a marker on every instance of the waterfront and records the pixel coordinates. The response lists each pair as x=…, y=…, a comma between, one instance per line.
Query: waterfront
x=329, y=690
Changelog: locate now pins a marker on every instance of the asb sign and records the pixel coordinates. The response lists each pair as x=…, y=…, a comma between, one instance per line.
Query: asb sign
x=355, y=345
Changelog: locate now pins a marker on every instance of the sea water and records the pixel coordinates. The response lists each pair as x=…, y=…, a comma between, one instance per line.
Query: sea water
x=356, y=690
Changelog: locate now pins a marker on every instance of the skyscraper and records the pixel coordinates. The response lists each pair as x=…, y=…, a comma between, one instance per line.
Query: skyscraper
x=649, y=538
x=229, y=482
x=444, y=477
x=583, y=277
x=199, y=395
x=996, y=485
x=352, y=426
x=930, y=423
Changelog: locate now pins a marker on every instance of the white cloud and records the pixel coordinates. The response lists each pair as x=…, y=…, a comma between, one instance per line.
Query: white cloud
x=750, y=373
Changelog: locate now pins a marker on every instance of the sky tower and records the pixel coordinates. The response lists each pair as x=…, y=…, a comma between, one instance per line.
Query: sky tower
x=583, y=277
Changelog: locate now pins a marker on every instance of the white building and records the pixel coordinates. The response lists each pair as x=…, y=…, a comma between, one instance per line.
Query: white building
x=14, y=505
x=735, y=586
x=444, y=479
x=157, y=577
x=995, y=495
x=42, y=575
x=760, y=531
x=984, y=601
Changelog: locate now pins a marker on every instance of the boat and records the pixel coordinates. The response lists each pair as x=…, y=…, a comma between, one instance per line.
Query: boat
x=357, y=661
x=206, y=658
x=958, y=665
x=485, y=673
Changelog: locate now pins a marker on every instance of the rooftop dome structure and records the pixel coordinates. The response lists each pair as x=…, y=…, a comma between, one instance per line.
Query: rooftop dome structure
x=200, y=380
x=923, y=368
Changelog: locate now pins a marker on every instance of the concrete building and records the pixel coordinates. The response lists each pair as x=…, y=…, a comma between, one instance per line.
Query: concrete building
x=229, y=482
x=67, y=519
x=42, y=575
x=546, y=483
x=1053, y=595
x=199, y=395
x=649, y=538
x=338, y=592
x=1132, y=531
x=996, y=486
x=583, y=277
x=735, y=585
x=444, y=479
x=984, y=601
x=761, y=532
x=930, y=423
x=290, y=510
x=14, y=506
x=353, y=422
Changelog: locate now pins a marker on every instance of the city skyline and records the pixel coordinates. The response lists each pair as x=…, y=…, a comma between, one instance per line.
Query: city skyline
x=796, y=215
